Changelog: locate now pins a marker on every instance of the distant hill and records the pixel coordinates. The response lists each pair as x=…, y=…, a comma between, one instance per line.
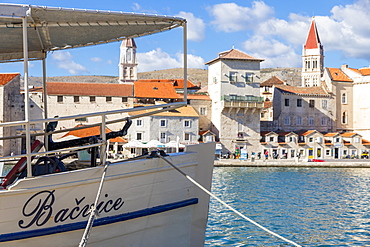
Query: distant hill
x=292, y=76
x=198, y=76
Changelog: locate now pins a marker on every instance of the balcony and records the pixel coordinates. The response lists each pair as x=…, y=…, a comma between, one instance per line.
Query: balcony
x=242, y=101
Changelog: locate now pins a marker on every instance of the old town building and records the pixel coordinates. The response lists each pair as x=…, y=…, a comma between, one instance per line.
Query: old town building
x=233, y=86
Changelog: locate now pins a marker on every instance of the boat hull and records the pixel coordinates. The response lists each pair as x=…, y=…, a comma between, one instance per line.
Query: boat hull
x=143, y=203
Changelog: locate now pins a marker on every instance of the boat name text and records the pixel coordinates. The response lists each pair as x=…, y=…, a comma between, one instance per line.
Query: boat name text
x=39, y=209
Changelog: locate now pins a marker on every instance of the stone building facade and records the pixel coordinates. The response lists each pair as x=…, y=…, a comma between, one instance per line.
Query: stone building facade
x=233, y=86
x=11, y=109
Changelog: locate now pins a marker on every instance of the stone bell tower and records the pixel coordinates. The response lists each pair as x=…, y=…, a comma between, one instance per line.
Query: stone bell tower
x=312, y=59
x=128, y=63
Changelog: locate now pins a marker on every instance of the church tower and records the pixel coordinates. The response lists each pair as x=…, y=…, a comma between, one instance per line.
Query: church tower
x=127, y=64
x=312, y=59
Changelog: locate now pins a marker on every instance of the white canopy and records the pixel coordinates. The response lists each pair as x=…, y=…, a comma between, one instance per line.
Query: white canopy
x=52, y=28
x=174, y=144
x=154, y=144
x=134, y=144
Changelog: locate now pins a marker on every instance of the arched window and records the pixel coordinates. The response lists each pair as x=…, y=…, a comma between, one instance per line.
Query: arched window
x=344, y=98
x=344, y=117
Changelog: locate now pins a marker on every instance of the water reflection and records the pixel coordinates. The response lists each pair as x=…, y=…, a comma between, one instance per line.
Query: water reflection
x=310, y=206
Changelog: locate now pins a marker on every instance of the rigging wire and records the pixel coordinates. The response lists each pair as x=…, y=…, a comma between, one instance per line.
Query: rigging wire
x=93, y=210
x=226, y=205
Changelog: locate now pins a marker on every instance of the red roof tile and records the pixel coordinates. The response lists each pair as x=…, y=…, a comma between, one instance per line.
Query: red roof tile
x=365, y=142
x=177, y=83
x=197, y=96
x=92, y=131
x=348, y=134
x=7, y=77
x=155, y=90
x=313, y=40
x=362, y=71
x=355, y=70
x=331, y=134
x=305, y=132
x=89, y=89
x=365, y=71
x=338, y=75
x=274, y=80
x=265, y=133
x=234, y=54
x=302, y=90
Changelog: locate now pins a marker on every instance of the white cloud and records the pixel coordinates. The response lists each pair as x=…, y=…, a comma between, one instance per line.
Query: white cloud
x=95, y=59
x=275, y=53
x=230, y=17
x=293, y=31
x=64, y=61
x=158, y=59
x=195, y=26
x=109, y=61
x=347, y=30
x=137, y=8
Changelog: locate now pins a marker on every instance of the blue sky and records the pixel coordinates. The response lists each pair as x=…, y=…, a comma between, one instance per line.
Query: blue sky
x=271, y=30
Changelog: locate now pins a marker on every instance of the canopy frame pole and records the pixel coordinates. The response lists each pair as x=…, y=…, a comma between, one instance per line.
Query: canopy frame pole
x=185, y=63
x=26, y=94
x=45, y=97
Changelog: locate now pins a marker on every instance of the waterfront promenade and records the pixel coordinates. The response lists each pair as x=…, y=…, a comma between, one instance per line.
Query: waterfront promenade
x=342, y=163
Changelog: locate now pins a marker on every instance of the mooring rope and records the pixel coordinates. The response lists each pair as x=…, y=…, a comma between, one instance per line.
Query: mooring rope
x=93, y=210
x=226, y=205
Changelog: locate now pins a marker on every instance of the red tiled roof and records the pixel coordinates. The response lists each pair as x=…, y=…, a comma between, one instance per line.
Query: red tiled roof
x=348, y=134
x=205, y=132
x=177, y=83
x=365, y=71
x=265, y=133
x=347, y=143
x=365, y=142
x=92, y=131
x=331, y=134
x=355, y=70
x=338, y=75
x=305, y=132
x=313, y=40
x=197, y=96
x=155, y=90
x=283, y=133
x=362, y=71
x=234, y=54
x=89, y=89
x=302, y=90
x=274, y=80
x=7, y=77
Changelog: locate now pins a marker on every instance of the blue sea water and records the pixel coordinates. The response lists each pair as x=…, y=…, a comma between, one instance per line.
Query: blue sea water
x=310, y=206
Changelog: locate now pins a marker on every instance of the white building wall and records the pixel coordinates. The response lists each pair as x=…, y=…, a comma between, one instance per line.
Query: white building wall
x=361, y=107
x=68, y=107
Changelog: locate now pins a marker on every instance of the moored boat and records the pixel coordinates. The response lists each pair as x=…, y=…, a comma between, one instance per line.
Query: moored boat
x=138, y=202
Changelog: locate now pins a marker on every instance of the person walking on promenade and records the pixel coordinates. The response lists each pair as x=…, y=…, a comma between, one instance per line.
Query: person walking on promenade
x=266, y=154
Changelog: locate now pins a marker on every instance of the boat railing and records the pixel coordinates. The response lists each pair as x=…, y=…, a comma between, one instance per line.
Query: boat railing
x=144, y=111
